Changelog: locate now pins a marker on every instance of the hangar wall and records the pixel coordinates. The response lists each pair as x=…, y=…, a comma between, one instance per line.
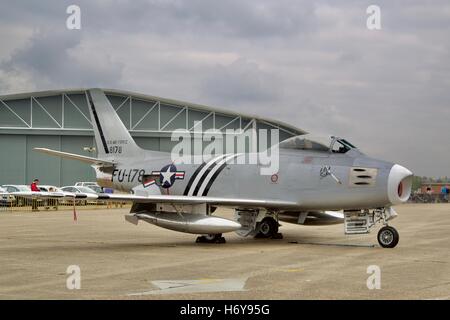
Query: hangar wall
x=20, y=164
x=60, y=120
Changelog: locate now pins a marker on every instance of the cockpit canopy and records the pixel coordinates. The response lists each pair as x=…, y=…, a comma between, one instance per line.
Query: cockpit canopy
x=317, y=143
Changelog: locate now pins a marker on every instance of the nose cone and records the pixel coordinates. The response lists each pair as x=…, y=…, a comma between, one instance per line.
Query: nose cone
x=399, y=184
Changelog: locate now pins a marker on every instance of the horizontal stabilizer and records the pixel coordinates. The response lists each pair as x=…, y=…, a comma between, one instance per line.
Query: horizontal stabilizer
x=73, y=156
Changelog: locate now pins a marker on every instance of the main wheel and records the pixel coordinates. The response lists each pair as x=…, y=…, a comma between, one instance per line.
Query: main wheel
x=388, y=237
x=211, y=238
x=267, y=228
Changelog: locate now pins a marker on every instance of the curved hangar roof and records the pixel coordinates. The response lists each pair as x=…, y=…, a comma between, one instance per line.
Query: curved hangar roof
x=63, y=110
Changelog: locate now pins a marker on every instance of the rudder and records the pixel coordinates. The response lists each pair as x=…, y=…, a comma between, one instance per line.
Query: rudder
x=111, y=136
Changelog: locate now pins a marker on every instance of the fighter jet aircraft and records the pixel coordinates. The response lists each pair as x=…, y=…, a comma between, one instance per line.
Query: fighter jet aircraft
x=317, y=184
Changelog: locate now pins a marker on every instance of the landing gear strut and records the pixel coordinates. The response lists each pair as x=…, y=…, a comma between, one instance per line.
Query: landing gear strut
x=388, y=237
x=211, y=238
x=362, y=221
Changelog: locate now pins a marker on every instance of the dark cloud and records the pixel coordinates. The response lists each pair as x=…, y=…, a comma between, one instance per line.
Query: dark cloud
x=240, y=83
x=233, y=18
x=313, y=64
x=53, y=60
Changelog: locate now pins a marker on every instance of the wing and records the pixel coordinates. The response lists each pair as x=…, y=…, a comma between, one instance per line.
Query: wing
x=173, y=199
x=200, y=200
x=73, y=156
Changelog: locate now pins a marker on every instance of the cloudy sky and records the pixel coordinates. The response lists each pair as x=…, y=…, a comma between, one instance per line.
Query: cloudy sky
x=313, y=64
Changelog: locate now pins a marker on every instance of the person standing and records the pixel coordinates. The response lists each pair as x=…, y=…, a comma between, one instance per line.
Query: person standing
x=54, y=202
x=443, y=193
x=34, y=188
x=429, y=194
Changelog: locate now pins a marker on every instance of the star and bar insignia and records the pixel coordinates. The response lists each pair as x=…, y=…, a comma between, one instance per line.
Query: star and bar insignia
x=165, y=177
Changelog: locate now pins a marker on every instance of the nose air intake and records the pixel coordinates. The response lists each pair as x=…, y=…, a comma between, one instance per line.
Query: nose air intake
x=399, y=184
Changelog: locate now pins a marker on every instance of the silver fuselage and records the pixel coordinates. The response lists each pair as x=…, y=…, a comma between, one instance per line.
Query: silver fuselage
x=363, y=181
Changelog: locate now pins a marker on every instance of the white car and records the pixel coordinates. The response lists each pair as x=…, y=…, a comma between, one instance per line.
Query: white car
x=85, y=184
x=6, y=199
x=11, y=188
x=19, y=201
x=93, y=185
x=47, y=188
x=78, y=189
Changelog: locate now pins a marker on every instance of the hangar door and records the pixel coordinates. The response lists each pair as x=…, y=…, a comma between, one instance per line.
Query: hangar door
x=20, y=164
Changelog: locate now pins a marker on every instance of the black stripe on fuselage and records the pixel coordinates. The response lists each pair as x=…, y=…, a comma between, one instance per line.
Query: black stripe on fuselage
x=191, y=180
x=205, y=174
x=216, y=174
x=97, y=122
x=194, y=176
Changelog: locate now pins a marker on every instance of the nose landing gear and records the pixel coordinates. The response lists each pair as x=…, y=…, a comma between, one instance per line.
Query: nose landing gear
x=388, y=237
x=362, y=221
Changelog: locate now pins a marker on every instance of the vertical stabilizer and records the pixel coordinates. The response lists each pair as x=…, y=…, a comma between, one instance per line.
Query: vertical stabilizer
x=111, y=136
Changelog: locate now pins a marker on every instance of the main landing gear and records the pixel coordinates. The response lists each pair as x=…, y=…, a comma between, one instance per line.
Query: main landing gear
x=258, y=223
x=211, y=238
x=268, y=228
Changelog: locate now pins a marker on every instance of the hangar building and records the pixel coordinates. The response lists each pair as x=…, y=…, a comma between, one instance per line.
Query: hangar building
x=60, y=120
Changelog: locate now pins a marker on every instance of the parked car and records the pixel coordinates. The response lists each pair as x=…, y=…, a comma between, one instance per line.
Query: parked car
x=92, y=185
x=46, y=188
x=97, y=189
x=6, y=199
x=16, y=188
x=19, y=201
x=79, y=189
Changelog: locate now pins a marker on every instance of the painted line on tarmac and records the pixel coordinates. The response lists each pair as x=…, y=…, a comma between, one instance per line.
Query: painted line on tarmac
x=194, y=286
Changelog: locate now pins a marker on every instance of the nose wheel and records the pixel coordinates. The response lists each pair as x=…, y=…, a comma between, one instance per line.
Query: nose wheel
x=388, y=237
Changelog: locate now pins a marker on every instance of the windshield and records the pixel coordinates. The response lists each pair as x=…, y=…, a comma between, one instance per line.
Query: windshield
x=96, y=188
x=306, y=142
x=339, y=145
x=86, y=190
x=85, y=184
x=23, y=188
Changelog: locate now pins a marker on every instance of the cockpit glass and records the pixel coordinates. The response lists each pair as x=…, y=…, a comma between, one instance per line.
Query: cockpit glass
x=347, y=143
x=341, y=146
x=317, y=143
x=305, y=142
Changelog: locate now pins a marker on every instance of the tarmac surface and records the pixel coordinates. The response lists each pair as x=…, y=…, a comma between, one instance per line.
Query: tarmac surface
x=118, y=260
